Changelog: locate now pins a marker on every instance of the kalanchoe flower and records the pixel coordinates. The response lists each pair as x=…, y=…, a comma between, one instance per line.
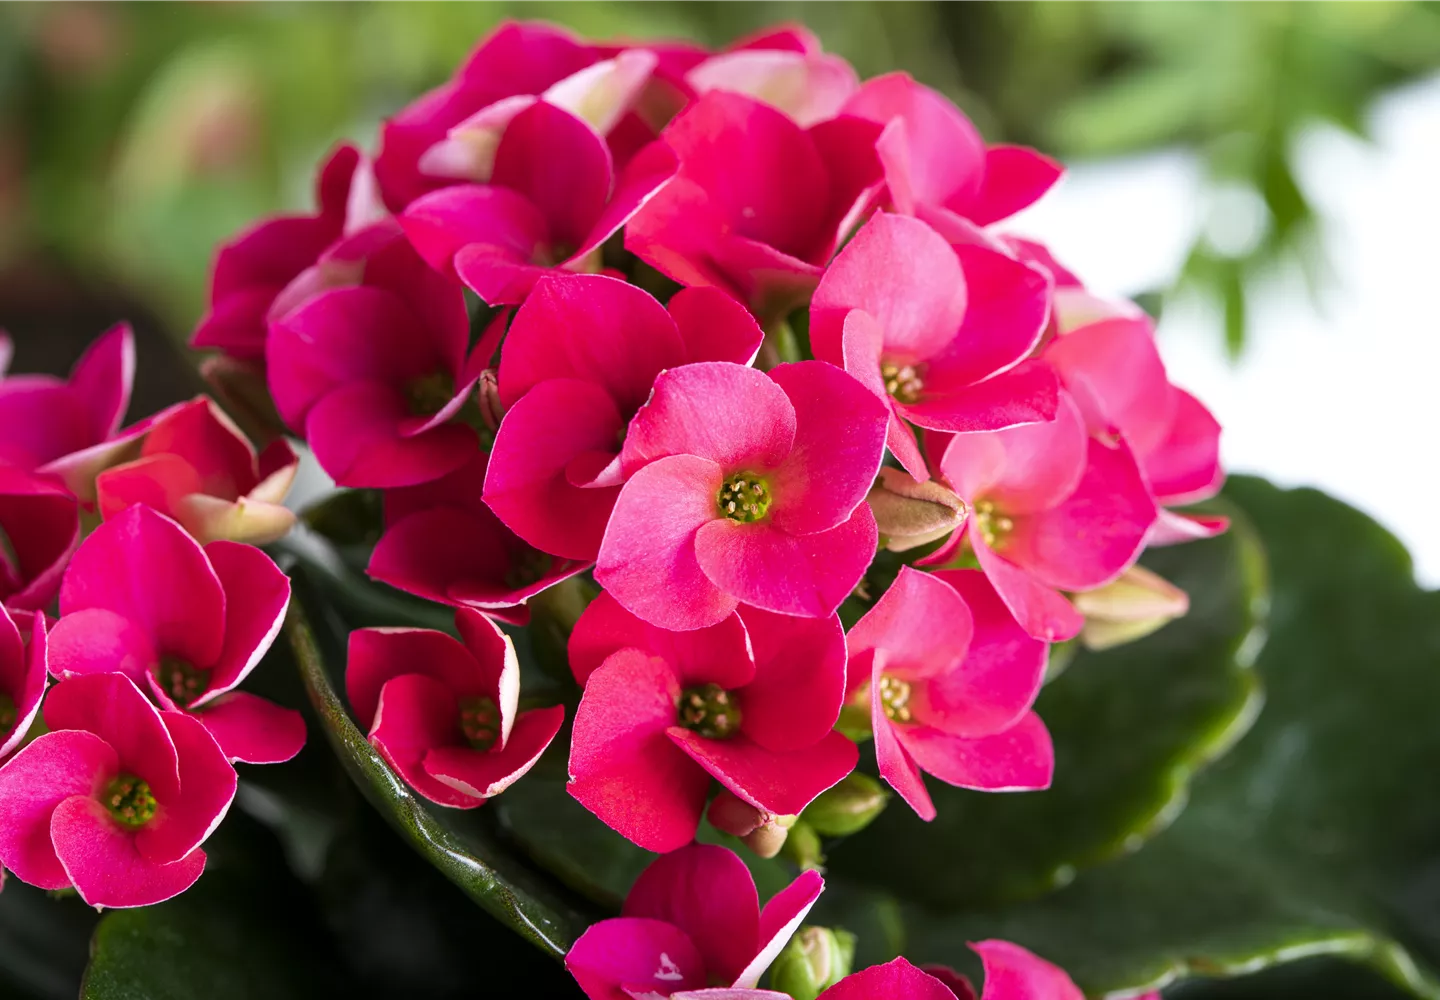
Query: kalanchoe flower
x=445, y=714
x=22, y=675
x=950, y=678
x=39, y=529
x=898, y=980
x=748, y=487
x=750, y=701
x=374, y=375
x=116, y=799
x=578, y=362
x=197, y=467
x=188, y=624
x=442, y=542
x=1053, y=509
x=940, y=334
x=692, y=920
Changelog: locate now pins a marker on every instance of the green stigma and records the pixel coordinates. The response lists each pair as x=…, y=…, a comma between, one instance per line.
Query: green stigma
x=429, y=394
x=709, y=710
x=902, y=382
x=129, y=801
x=9, y=714
x=479, y=722
x=993, y=525
x=744, y=497
x=895, y=698
x=182, y=681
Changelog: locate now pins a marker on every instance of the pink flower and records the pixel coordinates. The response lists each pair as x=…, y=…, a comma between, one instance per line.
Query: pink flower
x=1011, y=973
x=443, y=714
x=198, y=468
x=374, y=375
x=751, y=701
x=748, y=487
x=759, y=204
x=937, y=166
x=442, y=543
x=143, y=598
x=950, y=678
x=22, y=675
x=807, y=84
x=940, y=334
x=578, y=362
x=1052, y=509
x=692, y=920
x=39, y=529
x=116, y=799
x=898, y=980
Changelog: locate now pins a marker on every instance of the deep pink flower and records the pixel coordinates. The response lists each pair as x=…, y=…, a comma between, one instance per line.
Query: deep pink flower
x=1011, y=973
x=39, y=529
x=116, y=799
x=949, y=678
x=897, y=980
x=143, y=598
x=940, y=334
x=445, y=715
x=751, y=701
x=749, y=487
x=692, y=920
x=578, y=362
x=374, y=375
x=759, y=204
x=1053, y=509
x=22, y=675
x=442, y=542
x=937, y=166
x=197, y=467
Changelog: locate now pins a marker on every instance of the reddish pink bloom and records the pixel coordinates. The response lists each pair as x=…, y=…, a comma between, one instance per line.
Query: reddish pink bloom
x=759, y=204
x=39, y=529
x=748, y=487
x=442, y=542
x=22, y=675
x=751, y=701
x=374, y=375
x=577, y=364
x=950, y=677
x=692, y=920
x=116, y=799
x=1053, y=509
x=443, y=714
x=143, y=598
x=937, y=166
x=898, y=980
x=197, y=467
x=940, y=334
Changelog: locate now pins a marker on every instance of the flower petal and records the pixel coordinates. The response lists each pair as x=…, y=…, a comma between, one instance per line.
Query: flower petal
x=894, y=762
x=779, y=783
x=489, y=773
x=714, y=327
x=719, y=654
x=779, y=920
x=415, y=715
x=96, y=641
x=256, y=596
x=46, y=772
x=443, y=222
x=357, y=434
x=799, y=682
x=615, y=959
x=562, y=167
x=104, y=864
x=252, y=730
x=1025, y=395
x=1021, y=469
x=1042, y=611
x=1020, y=758
x=1012, y=973
x=899, y=979
x=1015, y=178
x=377, y=656
x=207, y=787
x=1005, y=318
x=112, y=707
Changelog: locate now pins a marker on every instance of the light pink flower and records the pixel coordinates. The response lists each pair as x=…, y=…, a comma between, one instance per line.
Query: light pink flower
x=692, y=920
x=747, y=487
x=39, y=529
x=807, y=84
x=197, y=467
x=1053, y=509
x=22, y=675
x=116, y=799
x=940, y=334
x=144, y=599
x=578, y=362
x=751, y=701
x=950, y=678
x=445, y=715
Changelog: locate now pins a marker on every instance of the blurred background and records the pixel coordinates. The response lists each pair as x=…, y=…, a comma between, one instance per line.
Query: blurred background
x=1261, y=176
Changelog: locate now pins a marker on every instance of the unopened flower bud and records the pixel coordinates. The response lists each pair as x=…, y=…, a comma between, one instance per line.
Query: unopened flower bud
x=1133, y=606
x=762, y=832
x=815, y=959
x=802, y=846
x=848, y=807
x=909, y=513
x=491, y=409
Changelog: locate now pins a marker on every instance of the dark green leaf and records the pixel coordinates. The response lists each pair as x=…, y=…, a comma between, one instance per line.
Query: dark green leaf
x=44, y=942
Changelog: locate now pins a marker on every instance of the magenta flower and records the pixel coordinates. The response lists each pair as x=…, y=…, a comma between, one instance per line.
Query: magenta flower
x=442, y=543
x=937, y=166
x=1052, y=509
x=41, y=523
x=1011, y=973
x=751, y=701
x=759, y=204
x=950, y=678
x=143, y=598
x=445, y=714
x=116, y=799
x=578, y=363
x=22, y=675
x=748, y=487
x=899, y=980
x=940, y=334
x=374, y=375
x=197, y=467
x=691, y=921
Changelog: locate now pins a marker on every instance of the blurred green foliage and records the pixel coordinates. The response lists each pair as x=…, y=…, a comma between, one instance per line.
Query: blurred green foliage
x=134, y=137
